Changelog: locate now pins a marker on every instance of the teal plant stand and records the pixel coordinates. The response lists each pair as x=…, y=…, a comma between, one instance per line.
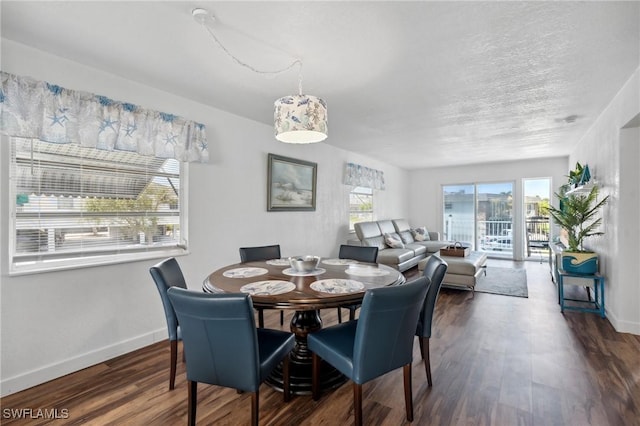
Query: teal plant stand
x=597, y=304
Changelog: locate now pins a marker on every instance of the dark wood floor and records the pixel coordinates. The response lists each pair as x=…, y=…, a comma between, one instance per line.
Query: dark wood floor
x=496, y=360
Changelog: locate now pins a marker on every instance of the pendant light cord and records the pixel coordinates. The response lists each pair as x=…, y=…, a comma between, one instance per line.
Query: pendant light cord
x=297, y=62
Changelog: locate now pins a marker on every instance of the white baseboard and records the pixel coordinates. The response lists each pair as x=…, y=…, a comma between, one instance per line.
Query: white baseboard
x=53, y=371
x=623, y=326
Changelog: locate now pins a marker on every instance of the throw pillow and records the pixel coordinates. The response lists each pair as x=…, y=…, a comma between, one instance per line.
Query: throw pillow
x=421, y=234
x=392, y=241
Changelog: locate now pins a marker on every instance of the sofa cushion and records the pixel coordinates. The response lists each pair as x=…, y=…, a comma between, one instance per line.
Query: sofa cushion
x=386, y=227
x=393, y=241
x=392, y=256
x=367, y=230
x=409, y=234
x=418, y=249
x=406, y=236
x=401, y=225
x=375, y=242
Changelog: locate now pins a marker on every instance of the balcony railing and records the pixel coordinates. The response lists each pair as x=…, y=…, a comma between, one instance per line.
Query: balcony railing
x=496, y=235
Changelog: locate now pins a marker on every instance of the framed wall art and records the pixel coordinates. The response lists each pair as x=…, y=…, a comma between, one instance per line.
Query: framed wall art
x=291, y=184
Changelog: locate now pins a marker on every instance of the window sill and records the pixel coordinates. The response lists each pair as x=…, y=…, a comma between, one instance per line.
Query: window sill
x=78, y=263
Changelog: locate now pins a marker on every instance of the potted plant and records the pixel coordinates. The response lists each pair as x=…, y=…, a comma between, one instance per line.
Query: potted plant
x=580, y=175
x=577, y=215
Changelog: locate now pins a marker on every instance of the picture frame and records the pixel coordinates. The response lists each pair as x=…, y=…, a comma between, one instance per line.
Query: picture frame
x=291, y=184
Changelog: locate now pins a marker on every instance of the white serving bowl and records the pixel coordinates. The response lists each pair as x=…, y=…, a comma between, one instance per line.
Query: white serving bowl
x=304, y=263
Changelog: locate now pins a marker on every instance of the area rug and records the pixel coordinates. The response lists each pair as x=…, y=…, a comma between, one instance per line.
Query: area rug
x=505, y=281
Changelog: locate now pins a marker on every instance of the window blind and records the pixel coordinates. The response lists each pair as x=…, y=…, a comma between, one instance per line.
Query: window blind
x=75, y=205
x=360, y=205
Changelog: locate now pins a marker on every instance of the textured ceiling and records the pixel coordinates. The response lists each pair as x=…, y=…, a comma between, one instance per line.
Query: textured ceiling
x=415, y=84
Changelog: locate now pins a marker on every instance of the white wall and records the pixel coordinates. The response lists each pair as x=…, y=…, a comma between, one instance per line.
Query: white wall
x=56, y=323
x=426, y=188
x=615, y=168
x=627, y=302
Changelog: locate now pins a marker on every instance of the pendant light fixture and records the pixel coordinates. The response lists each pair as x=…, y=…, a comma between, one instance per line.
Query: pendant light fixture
x=298, y=119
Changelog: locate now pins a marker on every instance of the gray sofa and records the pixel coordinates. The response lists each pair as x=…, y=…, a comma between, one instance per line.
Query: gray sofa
x=373, y=234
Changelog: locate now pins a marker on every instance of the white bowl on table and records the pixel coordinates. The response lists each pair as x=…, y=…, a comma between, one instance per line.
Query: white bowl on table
x=306, y=263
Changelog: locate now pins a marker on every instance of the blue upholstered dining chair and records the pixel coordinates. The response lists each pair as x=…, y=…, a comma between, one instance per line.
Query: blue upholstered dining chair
x=223, y=346
x=434, y=270
x=253, y=254
x=380, y=340
x=168, y=274
x=361, y=254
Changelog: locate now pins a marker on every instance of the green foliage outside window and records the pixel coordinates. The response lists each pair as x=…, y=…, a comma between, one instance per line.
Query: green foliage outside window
x=149, y=201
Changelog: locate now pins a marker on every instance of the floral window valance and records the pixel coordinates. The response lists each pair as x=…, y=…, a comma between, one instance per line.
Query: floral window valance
x=37, y=109
x=357, y=175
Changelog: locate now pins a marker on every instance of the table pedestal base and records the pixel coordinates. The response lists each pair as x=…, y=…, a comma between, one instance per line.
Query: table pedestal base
x=302, y=323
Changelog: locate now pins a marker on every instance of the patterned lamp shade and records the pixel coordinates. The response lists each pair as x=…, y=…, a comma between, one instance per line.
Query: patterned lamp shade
x=300, y=119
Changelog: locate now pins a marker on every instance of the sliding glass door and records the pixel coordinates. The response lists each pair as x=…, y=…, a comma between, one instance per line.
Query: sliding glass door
x=537, y=195
x=459, y=212
x=480, y=215
x=494, y=218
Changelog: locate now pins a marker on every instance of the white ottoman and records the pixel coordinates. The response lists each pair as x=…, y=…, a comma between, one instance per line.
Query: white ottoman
x=462, y=271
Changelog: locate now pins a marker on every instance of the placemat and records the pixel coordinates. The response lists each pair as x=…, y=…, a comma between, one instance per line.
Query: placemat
x=267, y=288
x=247, y=272
x=337, y=286
x=339, y=261
x=366, y=271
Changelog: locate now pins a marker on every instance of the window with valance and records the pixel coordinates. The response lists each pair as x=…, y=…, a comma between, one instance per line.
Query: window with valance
x=50, y=113
x=357, y=175
x=363, y=181
x=93, y=180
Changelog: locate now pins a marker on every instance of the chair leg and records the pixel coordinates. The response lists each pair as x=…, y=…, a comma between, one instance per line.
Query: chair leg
x=281, y=317
x=260, y=318
x=193, y=402
x=315, y=376
x=285, y=377
x=339, y=315
x=357, y=404
x=408, y=394
x=255, y=400
x=352, y=314
x=424, y=350
x=173, y=361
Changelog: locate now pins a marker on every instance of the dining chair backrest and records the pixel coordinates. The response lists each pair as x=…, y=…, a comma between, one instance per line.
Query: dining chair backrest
x=434, y=270
x=168, y=274
x=219, y=334
x=252, y=254
x=359, y=253
x=385, y=329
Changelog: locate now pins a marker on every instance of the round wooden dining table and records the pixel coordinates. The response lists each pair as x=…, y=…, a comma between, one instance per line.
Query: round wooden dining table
x=273, y=284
